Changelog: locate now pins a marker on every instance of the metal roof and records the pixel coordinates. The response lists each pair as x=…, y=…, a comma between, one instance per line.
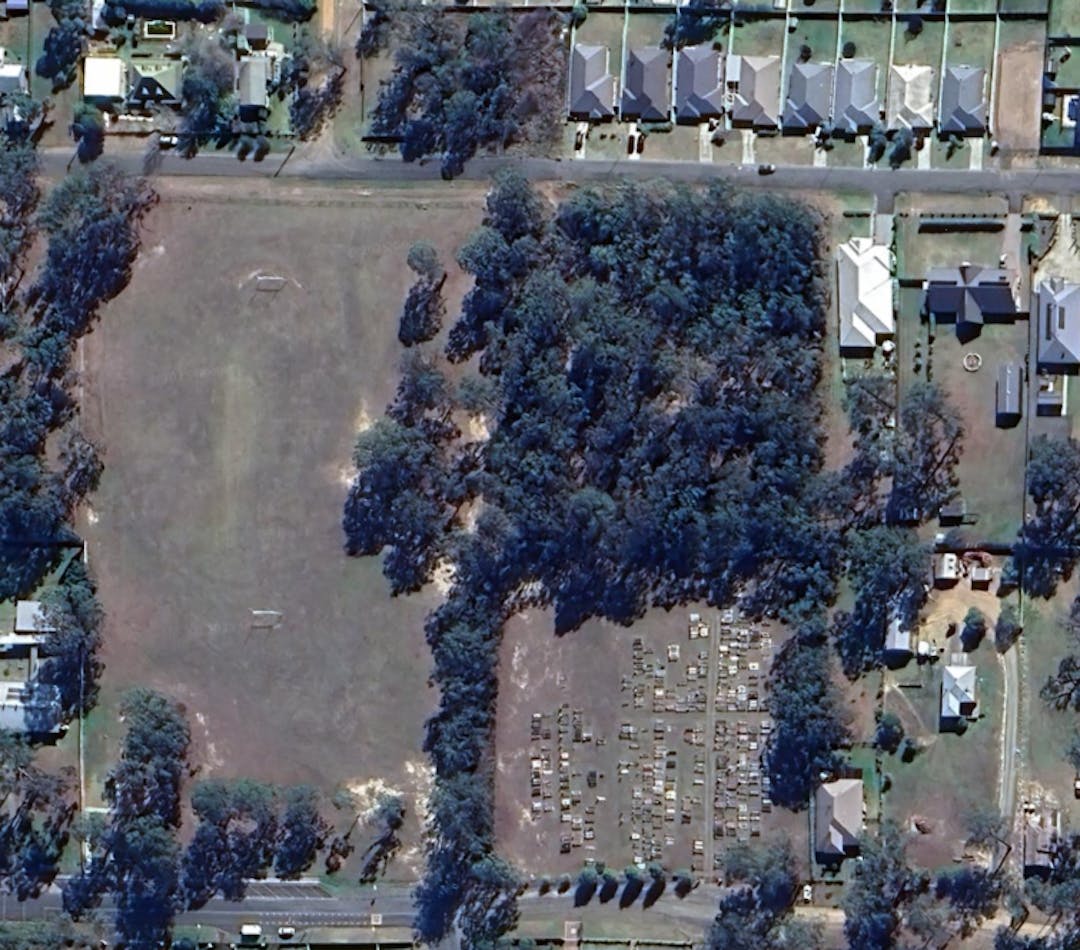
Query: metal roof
x=699, y=85
x=592, y=87
x=645, y=87
x=809, y=95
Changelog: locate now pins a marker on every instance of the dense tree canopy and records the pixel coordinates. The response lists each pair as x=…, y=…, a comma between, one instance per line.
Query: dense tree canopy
x=646, y=371
x=1050, y=539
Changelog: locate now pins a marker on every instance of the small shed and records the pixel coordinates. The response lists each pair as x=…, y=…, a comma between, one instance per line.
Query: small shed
x=1009, y=394
x=953, y=512
x=981, y=577
x=30, y=618
x=946, y=569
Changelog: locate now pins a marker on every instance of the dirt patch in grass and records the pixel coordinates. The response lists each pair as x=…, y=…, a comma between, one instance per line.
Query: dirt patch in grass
x=227, y=416
x=1018, y=81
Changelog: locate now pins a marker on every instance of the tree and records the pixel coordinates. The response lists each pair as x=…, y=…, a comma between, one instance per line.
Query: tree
x=303, y=832
x=1072, y=752
x=805, y=53
x=890, y=732
x=848, y=52
x=914, y=25
x=88, y=130
x=422, y=316
x=881, y=882
x=974, y=629
x=972, y=892
x=64, y=43
x=1007, y=629
x=900, y=150
x=587, y=882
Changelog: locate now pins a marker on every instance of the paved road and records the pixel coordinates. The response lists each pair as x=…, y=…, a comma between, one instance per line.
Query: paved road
x=882, y=182
x=1010, y=749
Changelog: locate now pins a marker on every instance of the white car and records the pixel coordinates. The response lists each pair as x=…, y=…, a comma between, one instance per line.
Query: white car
x=168, y=141
x=807, y=893
x=286, y=933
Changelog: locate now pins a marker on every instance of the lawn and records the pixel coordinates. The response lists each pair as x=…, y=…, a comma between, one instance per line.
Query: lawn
x=973, y=6
x=921, y=50
x=605, y=28
x=757, y=36
x=971, y=43
x=785, y=149
x=1064, y=18
x=819, y=34
x=227, y=418
x=1034, y=7
x=953, y=773
x=922, y=250
x=1046, y=641
x=644, y=29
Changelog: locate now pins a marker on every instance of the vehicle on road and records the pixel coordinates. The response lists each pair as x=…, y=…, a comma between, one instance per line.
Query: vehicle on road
x=286, y=932
x=766, y=168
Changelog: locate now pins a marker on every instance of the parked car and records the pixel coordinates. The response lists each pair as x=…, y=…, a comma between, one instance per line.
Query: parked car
x=766, y=168
x=168, y=141
x=286, y=932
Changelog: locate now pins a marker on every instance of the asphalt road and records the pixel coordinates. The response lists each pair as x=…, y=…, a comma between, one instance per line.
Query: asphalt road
x=882, y=182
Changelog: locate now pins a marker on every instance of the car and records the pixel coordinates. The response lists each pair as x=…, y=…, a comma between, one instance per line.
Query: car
x=168, y=141
x=807, y=893
x=286, y=932
x=766, y=168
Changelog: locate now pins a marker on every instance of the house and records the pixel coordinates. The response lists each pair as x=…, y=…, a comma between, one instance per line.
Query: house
x=838, y=819
x=13, y=79
x=864, y=296
x=252, y=78
x=645, y=94
x=809, y=96
x=30, y=618
x=104, y=79
x=1058, y=315
x=30, y=710
x=962, y=110
x=1041, y=835
x=897, y=642
x=910, y=100
x=17, y=7
x=981, y=577
x=699, y=84
x=969, y=295
x=946, y=569
x=592, y=87
x=855, y=102
x=1009, y=396
x=155, y=82
x=957, y=695
x=753, y=83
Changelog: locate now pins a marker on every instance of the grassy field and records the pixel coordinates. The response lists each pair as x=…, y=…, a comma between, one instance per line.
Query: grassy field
x=819, y=34
x=227, y=418
x=645, y=29
x=1046, y=641
x=953, y=773
x=971, y=43
x=921, y=50
x=757, y=36
x=1064, y=18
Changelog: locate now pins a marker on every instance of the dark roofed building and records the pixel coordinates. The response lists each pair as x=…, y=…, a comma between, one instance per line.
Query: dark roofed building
x=963, y=101
x=645, y=89
x=1058, y=316
x=970, y=295
x=809, y=96
x=154, y=82
x=699, y=84
x=1009, y=394
x=592, y=87
x=855, y=104
x=754, y=84
x=257, y=35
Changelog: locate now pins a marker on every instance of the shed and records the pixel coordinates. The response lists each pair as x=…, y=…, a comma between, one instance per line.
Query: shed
x=946, y=569
x=252, y=77
x=897, y=642
x=1009, y=394
x=981, y=577
x=18, y=6
x=13, y=79
x=30, y=618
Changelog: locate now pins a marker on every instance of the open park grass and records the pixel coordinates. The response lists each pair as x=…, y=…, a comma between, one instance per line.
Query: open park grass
x=227, y=417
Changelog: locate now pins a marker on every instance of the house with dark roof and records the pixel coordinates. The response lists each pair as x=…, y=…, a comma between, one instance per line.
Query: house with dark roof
x=592, y=87
x=753, y=83
x=909, y=103
x=1058, y=315
x=699, y=84
x=645, y=85
x=809, y=96
x=1009, y=394
x=962, y=110
x=154, y=82
x=969, y=296
x=839, y=812
x=855, y=101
